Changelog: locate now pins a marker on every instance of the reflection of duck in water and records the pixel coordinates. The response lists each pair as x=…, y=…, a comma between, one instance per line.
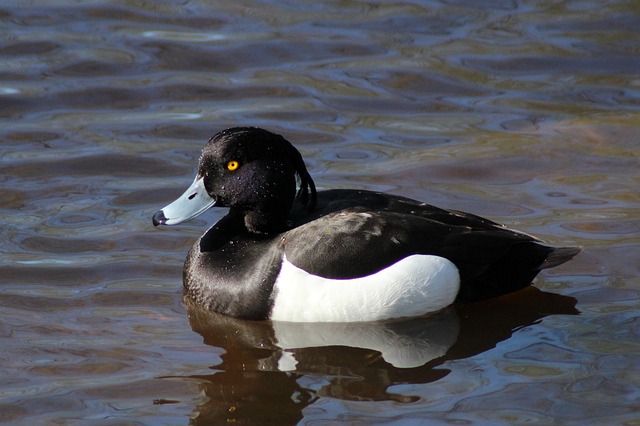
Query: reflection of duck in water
x=340, y=255
x=403, y=344
x=275, y=369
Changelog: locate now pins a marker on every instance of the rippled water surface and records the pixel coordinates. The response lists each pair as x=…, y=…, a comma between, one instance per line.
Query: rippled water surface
x=526, y=112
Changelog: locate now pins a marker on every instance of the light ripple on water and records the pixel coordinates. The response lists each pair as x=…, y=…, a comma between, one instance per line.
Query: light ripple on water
x=189, y=36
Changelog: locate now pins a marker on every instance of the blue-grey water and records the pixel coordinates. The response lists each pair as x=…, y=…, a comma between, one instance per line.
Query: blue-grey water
x=527, y=112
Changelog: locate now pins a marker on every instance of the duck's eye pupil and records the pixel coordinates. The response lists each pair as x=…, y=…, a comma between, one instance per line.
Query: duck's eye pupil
x=232, y=165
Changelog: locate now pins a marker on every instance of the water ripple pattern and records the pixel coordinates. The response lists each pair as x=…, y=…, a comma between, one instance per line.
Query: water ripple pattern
x=526, y=112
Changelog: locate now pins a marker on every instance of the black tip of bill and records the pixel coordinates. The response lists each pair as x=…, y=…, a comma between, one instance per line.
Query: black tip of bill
x=159, y=218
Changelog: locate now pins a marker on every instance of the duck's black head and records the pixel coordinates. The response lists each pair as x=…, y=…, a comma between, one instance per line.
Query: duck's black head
x=253, y=172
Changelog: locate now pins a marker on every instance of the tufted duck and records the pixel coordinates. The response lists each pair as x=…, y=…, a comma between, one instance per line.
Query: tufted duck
x=337, y=255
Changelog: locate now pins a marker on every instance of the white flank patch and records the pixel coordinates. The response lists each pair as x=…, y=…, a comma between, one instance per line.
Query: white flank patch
x=413, y=286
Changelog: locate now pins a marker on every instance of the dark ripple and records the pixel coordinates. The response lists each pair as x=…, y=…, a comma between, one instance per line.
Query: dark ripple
x=33, y=137
x=29, y=48
x=586, y=65
x=106, y=164
x=99, y=15
x=12, y=199
x=85, y=276
x=40, y=304
x=418, y=84
x=96, y=68
x=99, y=97
x=194, y=92
x=230, y=59
x=66, y=245
x=623, y=22
x=77, y=219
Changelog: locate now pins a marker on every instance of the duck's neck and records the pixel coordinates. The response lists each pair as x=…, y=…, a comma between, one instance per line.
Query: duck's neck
x=263, y=219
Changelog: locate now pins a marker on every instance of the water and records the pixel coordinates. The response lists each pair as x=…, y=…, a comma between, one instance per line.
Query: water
x=526, y=112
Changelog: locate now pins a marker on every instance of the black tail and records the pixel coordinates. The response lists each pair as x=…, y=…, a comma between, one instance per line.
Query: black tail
x=559, y=255
x=512, y=271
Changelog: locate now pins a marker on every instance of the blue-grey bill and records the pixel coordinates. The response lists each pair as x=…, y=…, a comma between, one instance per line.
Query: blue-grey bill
x=193, y=202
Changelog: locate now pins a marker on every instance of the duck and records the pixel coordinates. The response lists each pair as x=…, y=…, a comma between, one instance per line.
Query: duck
x=285, y=251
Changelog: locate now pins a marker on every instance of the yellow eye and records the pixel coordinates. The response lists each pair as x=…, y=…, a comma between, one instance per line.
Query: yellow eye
x=232, y=165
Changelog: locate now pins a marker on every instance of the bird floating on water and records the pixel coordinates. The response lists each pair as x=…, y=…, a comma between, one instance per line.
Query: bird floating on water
x=287, y=252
